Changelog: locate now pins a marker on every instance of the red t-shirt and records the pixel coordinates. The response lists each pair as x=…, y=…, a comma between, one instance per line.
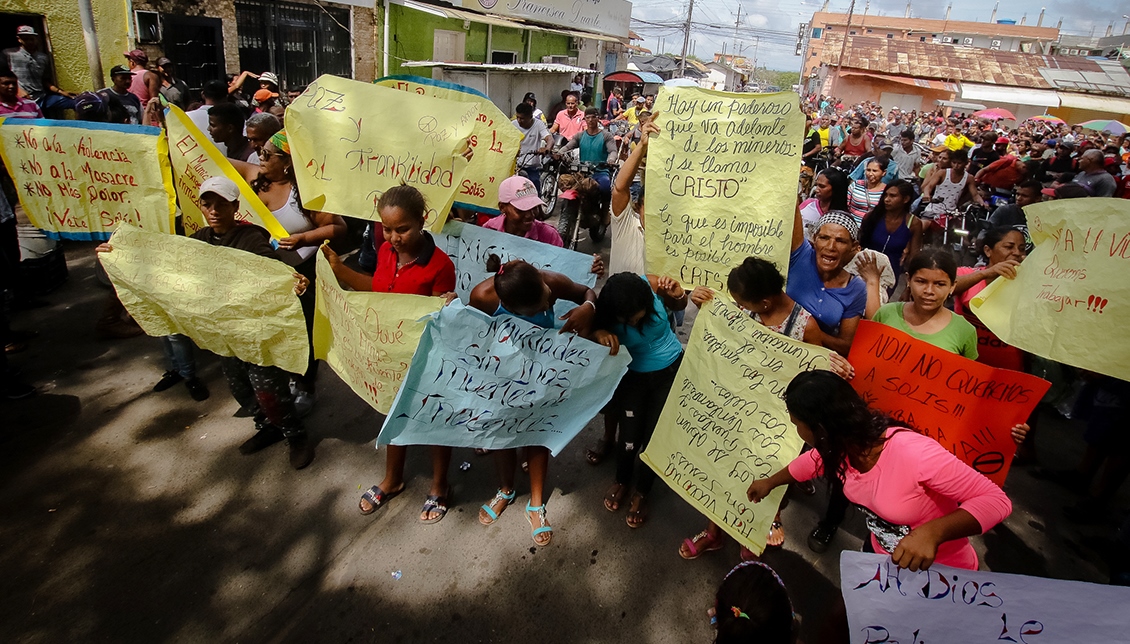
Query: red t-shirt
x=432, y=272
x=990, y=349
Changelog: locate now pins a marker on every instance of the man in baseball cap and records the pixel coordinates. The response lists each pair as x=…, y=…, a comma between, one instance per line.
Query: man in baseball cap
x=251, y=383
x=520, y=205
x=145, y=84
x=32, y=67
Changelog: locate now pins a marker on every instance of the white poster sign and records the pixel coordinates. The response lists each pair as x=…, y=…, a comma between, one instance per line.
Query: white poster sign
x=889, y=605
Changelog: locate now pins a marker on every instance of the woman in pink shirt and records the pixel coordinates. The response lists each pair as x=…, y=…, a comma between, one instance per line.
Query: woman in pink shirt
x=921, y=502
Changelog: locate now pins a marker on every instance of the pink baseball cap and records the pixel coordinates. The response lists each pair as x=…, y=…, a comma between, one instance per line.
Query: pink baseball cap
x=520, y=193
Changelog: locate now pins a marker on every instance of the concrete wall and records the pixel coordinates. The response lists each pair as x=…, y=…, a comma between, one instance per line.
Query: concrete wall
x=64, y=30
x=854, y=89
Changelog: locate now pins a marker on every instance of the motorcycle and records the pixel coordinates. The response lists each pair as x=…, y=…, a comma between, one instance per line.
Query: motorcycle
x=550, y=169
x=583, y=205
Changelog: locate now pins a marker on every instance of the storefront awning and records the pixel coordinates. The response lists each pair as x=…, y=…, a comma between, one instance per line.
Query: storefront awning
x=958, y=105
x=923, y=83
x=1095, y=103
x=1009, y=95
x=499, y=21
x=634, y=77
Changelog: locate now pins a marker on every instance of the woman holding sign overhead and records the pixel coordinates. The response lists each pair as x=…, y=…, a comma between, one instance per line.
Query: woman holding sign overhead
x=408, y=262
x=922, y=503
x=521, y=290
x=274, y=182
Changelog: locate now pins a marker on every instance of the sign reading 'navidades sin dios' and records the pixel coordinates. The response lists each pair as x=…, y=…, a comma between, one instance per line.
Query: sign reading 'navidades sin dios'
x=609, y=17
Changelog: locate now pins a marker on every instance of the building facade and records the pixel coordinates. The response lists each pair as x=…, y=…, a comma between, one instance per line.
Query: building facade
x=299, y=40
x=993, y=36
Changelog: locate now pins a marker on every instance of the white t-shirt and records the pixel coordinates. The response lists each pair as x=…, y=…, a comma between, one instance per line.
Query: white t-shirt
x=532, y=140
x=628, y=247
x=199, y=118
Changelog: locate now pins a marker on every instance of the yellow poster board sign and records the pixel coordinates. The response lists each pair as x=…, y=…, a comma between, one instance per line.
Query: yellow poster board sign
x=725, y=423
x=195, y=160
x=79, y=180
x=1071, y=297
x=721, y=182
x=351, y=141
x=495, y=140
x=229, y=301
x=368, y=339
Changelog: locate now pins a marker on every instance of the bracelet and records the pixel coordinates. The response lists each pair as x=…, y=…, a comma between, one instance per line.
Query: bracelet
x=592, y=303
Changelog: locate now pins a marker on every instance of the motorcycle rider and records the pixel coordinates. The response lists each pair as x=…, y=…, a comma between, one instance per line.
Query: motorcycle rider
x=596, y=146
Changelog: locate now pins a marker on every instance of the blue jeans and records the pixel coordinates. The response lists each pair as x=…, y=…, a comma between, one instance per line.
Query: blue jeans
x=533, y=173
x=53, y=105
x=181, y=354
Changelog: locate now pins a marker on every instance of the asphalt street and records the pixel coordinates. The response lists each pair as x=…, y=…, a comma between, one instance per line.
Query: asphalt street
x=129, y=516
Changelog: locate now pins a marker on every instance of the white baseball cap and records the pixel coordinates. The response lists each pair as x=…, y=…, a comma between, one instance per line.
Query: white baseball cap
x=222, y=186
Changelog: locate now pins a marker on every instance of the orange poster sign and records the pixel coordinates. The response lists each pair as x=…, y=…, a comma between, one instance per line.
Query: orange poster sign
x=968, y=407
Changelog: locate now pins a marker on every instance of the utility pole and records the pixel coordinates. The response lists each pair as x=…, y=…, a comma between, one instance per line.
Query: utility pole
x=843, y=46
x=737, y=25
x=687, y=39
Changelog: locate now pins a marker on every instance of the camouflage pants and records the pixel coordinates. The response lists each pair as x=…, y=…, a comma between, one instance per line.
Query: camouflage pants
x=265, y=391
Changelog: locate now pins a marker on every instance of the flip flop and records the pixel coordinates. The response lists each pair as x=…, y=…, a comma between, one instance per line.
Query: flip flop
x=640, y=513
x=712, y=544
x=377, y=498
x=596, y=456
x=776, y=525
x=614, y=497
x=436, y=503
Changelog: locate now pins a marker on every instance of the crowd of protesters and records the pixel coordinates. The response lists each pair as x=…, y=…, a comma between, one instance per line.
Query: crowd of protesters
x=873, y=183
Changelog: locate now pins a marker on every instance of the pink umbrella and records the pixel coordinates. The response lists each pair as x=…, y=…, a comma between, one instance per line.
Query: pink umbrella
x=995, y=114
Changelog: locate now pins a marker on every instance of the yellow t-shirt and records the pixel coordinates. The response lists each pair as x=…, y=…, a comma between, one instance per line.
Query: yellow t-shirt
x=824, y=133
x=630, y=115
x=957, y=142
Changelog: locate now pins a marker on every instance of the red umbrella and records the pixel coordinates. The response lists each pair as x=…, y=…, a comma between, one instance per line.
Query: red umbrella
x=995, y=114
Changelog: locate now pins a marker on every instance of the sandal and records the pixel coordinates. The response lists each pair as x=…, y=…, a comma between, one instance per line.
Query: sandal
x=596, y=455
x=487, y=515
x=479, y=451
x=544, y=527
x=637, y=517
x=614, y=497
x=376, y=498
x=748, y=555
x=435, y=503
x=709, y=544
x=775, y=527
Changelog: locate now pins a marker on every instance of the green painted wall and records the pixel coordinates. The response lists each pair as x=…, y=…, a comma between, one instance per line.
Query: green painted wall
x=545, y=44
x=411, y=39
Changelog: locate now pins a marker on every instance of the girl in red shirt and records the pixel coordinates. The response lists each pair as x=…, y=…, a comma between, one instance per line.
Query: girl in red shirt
x=408, y=262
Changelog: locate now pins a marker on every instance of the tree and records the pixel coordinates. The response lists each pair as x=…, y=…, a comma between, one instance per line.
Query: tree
x=781, y=79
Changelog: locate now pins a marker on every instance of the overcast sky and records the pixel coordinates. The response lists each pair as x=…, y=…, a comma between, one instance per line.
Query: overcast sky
x=776, y=51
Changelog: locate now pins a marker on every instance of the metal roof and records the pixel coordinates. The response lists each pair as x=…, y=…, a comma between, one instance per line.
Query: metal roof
x=532, y=68
x=953, y=63
x=628, y=76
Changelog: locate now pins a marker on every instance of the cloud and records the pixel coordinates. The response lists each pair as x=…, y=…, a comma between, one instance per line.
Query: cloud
x=757, y=20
